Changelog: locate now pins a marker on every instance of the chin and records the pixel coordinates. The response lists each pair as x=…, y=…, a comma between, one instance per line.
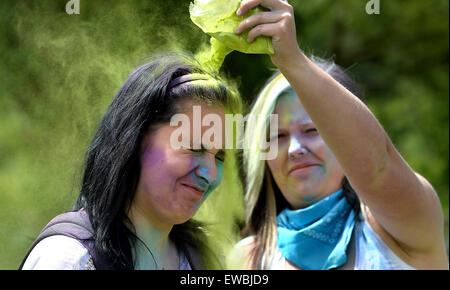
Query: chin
x=302, y=191
x=306, y=195
x=180, y=221
x=183, y=216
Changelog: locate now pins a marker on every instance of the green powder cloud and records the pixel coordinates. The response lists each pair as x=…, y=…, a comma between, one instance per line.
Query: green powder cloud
x=59, y=73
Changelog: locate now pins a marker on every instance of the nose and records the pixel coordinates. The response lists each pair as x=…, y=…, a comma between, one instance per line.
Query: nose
x=296, y=148
x=207, y=170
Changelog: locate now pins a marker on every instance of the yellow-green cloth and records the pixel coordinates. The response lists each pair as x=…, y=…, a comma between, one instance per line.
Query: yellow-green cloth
x=218, y=19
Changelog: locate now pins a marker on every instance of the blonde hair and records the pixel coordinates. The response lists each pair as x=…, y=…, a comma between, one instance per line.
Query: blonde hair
x=258, y=179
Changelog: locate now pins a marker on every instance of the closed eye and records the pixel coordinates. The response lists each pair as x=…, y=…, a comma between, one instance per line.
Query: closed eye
x=311, y=130
x=278, y=136
x=220, y=155
x=197, y=150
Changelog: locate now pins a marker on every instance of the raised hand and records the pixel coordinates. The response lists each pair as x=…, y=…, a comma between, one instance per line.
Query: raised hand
x=277, y=22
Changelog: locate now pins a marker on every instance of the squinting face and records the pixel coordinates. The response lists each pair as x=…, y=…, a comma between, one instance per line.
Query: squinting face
x=174, y=182
x=305, y=169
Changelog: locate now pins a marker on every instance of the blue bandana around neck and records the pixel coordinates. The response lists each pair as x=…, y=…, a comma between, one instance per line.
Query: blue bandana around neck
x=316, y=237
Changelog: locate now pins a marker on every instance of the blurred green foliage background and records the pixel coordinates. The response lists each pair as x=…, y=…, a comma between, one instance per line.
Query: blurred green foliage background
x=59, y=72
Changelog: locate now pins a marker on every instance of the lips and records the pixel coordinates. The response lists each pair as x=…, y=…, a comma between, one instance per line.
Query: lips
x=194, y=189
x=304, y=165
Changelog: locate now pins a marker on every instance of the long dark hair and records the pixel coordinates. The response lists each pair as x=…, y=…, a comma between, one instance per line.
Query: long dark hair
x=264, y=200
x=112, y=166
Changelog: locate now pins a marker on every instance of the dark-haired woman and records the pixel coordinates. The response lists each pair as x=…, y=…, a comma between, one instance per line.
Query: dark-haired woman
x=302, y=206
x=141, y=186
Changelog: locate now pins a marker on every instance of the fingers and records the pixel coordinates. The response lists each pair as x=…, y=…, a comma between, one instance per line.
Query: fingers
x=269, y=29
x=259, y=18
x=272, y=24
x=246, y=5
x=281, y=13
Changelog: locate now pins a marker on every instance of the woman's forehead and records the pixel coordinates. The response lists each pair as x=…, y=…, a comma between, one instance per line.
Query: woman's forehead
x=290, y=110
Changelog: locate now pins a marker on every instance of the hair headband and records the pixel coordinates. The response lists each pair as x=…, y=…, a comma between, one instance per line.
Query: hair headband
x=188, y=78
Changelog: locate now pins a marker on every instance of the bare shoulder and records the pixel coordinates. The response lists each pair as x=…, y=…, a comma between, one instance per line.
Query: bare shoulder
x=239, y=256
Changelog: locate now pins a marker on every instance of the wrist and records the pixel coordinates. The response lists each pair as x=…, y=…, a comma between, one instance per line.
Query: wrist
x=297, y=61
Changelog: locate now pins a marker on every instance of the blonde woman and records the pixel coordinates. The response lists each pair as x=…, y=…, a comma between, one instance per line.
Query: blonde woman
x=302, y=207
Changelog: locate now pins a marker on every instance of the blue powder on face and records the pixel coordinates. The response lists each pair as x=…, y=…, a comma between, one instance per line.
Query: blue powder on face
x=214, y=183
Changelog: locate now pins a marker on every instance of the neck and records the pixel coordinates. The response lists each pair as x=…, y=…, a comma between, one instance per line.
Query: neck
x=153, y=249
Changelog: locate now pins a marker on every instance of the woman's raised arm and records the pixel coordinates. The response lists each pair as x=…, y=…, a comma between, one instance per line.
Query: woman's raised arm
x=403, y=205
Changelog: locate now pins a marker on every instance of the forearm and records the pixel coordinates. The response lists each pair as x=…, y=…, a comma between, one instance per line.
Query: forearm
x=348, y=127
x=403, y=204
x=378, y=173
